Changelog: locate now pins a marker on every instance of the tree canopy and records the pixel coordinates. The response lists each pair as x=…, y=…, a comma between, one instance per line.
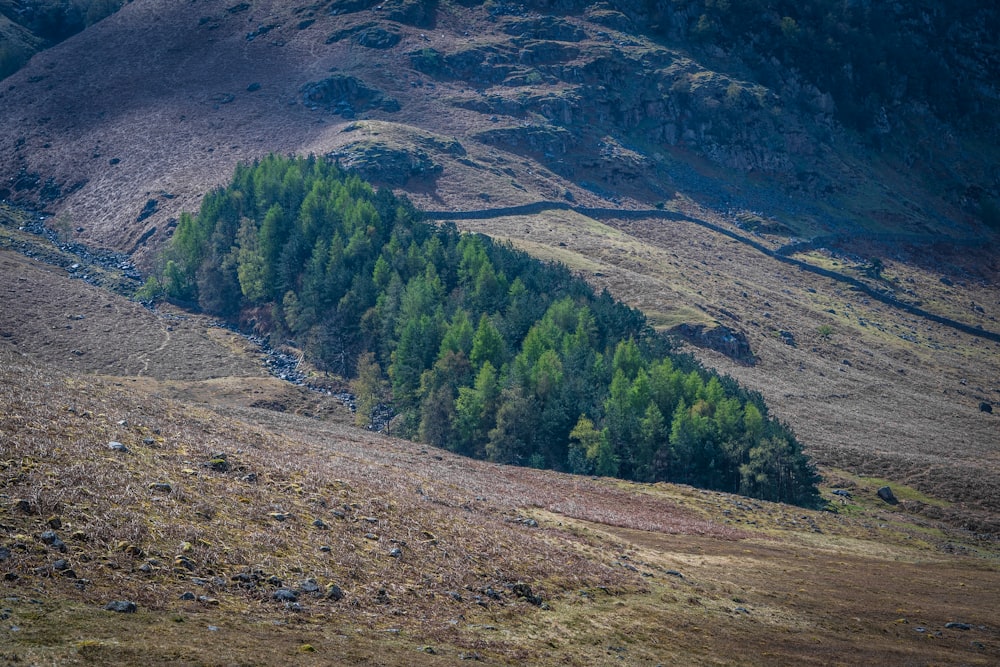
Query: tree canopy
x=480, y=348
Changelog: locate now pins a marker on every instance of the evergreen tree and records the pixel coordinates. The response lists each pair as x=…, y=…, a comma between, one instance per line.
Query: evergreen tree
x=486, y=351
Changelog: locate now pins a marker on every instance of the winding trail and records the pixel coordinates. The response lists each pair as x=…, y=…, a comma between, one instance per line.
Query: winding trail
x=780, y=255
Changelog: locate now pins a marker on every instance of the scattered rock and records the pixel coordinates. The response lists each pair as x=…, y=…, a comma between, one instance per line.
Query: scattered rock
x=23, y=505
x=187, y=595
x=886, y=494
x=396, y=552
x=184, y=562
x=334, y=592
x=523, y=590
x=261, y=30
x=986, y=407
x=148, y=210
x=247, y=579
x=285, y=595
x=54, y=522
x=491, y=593
x=218, y=462
x=163, y=487
x=278, y=516
x=121, y=606
x=319, y=523
x=308, y=586
x=117, y=447
x=50, y=538
x=958, y=626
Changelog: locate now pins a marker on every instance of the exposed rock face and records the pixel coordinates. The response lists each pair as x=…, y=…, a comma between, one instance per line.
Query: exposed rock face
x=546, y=27
x=346, y=96
x=392, y=165
x=722, y=339
x=543, y=139
x=369, y=35
x=886, y=494
x=377, y=38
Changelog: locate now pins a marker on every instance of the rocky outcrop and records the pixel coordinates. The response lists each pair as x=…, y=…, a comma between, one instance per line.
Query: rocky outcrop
x=382, y=163
x=369, y=35
x=543, y=139
x=345, y=96
x=733, y=344
x=546, y=27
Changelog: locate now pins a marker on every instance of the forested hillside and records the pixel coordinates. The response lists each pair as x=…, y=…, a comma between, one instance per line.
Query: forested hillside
x=479, y=348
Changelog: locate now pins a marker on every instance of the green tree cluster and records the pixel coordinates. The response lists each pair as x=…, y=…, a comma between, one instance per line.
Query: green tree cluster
x=481, y=349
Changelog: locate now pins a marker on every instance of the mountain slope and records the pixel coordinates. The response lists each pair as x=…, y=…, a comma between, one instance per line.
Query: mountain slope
x=157, y=101
x=219, y=513
x=118, y=129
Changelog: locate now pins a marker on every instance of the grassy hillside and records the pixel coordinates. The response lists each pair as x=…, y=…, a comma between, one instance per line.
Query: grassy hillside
x=406, y=555
x=740, y=142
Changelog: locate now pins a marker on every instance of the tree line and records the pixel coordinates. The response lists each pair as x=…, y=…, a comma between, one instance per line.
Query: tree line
x=479, y=348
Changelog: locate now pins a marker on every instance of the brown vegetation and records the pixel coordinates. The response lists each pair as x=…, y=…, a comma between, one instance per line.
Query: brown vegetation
x=643, y=573
x=877, y=395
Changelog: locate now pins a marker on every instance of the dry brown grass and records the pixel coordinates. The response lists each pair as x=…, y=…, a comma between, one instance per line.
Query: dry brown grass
x=815, y=587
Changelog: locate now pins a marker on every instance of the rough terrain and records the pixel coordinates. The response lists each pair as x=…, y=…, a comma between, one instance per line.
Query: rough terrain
x=473, y=107
x=255, y=536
